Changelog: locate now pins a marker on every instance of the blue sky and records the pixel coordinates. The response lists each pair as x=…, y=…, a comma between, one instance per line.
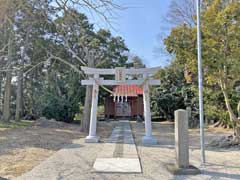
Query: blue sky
x=141, y=25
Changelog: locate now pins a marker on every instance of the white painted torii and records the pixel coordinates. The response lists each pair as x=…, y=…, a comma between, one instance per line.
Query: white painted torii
x=120, y=79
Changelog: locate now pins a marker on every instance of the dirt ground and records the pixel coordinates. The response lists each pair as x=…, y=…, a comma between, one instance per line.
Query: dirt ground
x=23, y=148
x=221, y=163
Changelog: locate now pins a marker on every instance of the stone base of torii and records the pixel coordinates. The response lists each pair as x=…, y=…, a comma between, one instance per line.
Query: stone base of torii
x=120, y=79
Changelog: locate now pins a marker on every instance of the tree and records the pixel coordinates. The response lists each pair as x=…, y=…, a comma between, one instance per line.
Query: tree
x=109, y=52
x=7, y=93
x=24, y=27
x=182, y=11
x=220, y=37
x=137, y=62
x=7, y=19
x=48, y=36
x=174, y=92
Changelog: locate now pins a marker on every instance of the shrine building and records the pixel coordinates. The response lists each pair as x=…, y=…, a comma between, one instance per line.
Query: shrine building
x=124, y=101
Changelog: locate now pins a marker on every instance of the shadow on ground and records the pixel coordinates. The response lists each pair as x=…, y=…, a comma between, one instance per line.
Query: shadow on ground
x=1, y=178
x=221, y=174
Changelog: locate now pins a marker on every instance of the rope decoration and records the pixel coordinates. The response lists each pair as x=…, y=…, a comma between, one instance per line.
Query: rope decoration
x=117, y=97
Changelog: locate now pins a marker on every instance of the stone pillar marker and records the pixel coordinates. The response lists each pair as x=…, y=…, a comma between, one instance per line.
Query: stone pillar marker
x=92, y=137
x=181, y=139
x=181, y=166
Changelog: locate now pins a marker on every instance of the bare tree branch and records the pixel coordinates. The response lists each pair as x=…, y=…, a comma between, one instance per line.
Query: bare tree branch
x=67, y=63
x=182, y=11
x=104, y=9
x=73, y=53
x=35, y=66
x=54, y=58
x=3, y=49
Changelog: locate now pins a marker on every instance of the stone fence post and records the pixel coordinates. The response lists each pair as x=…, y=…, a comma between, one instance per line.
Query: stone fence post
x=182, y=167
x=181, y=139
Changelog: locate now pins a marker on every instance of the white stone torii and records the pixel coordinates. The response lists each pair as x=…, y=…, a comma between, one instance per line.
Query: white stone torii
x=120, y=79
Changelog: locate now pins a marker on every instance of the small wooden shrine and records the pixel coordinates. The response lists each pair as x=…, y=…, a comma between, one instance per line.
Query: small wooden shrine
x=125, y=101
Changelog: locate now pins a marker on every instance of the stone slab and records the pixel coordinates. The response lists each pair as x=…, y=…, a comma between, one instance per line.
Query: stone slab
x=149, y=140
x=108, y=150
x=117, y=165
x=130, y=151
x=92, y=139
x=119, y=153
x=121, y=138
x=190, y=170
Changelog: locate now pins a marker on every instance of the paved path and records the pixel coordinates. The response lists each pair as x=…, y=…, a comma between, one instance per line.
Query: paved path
x=119, y=154
x=66, y=164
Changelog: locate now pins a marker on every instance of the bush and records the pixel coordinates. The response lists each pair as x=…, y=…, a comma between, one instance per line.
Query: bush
x=165, y=103
x=59, y=108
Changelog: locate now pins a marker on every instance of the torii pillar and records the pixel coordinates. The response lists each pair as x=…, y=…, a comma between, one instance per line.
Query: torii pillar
x=148, y=138
x=92, y=137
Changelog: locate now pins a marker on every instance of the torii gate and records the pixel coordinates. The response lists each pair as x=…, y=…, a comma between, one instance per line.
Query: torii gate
x=120, y=79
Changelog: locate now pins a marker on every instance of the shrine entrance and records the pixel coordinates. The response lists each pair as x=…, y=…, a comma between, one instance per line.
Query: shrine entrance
x=122, y=77
x=123, y=109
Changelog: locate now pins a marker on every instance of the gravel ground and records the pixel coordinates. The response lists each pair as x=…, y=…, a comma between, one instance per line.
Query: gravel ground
x=76, y=159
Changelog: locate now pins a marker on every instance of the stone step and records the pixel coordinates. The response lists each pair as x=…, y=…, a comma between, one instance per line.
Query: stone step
x=119, y=154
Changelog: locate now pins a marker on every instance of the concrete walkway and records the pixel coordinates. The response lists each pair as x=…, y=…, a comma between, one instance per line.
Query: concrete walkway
x=119, y=154
x=66, y=164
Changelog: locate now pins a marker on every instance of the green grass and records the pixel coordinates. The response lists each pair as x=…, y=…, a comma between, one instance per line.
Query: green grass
x=100, y=110
x=79, y=116
x=14, y=124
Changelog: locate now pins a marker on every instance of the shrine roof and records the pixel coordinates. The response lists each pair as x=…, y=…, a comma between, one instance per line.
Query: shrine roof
x=129, y=90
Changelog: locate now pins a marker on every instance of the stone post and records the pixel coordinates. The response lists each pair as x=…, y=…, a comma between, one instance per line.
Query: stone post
x=92, y=137
x=182, y=167
x=181, y=139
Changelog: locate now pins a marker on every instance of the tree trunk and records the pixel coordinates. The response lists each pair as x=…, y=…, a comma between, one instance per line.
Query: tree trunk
x=233, y=117
x=88, y=100
x=238, y=122
x=87, y=110
x=1, y=101
x=31, y=94
x=7, y=97
x=237, y=132
x=238, y=110
x=19, y=99
x=7, y=89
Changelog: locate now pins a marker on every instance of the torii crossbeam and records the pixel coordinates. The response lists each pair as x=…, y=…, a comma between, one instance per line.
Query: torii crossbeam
x=120, y=79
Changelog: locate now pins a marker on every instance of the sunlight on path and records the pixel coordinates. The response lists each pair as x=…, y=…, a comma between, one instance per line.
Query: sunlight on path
x=119, y=154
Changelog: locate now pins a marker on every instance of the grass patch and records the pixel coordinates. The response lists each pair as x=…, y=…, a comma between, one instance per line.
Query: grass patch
x=78, y=116
x=14, y=124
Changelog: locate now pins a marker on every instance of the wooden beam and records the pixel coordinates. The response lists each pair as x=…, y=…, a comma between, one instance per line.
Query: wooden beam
x=113, y=82
x=88, y=70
